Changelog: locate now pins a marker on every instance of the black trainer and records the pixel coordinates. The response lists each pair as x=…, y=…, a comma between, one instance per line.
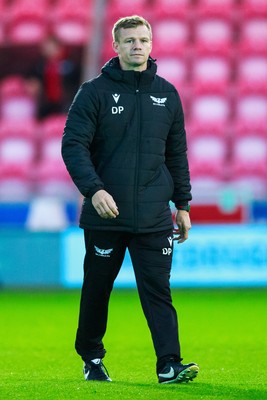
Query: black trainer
x=175, y=372
x=95, y=370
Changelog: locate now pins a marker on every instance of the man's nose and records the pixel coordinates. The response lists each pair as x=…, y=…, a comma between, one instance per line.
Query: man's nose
x=137, y=44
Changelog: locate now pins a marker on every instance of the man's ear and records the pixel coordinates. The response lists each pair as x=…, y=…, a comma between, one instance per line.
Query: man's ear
x=115, y=46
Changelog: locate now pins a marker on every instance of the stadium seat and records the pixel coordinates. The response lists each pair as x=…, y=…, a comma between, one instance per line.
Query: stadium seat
x=53, y=126
x=254, y=8
x=116, y=9
x=252, y=75
x=215, y=8
x=18, y=142
x=207, y=156
x=170, y=8
x=72, y=24
x=253, y=37
x=249, y=186
x=170, y=37
x=51, y=131
x=173, y=69
x=213, y=36
x=251, y=114
x=250, y=156
x=27, y=130
x=21, y=107
x=211, y=75
x=52, y=179
x=12, y=85
x=206, y=188
x=15, y=101
x=2, y=23
x=15, y=182
x=27, y=22
x=209, y=113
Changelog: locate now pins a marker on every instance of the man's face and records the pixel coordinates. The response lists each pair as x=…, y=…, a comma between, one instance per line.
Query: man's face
x=133, y=47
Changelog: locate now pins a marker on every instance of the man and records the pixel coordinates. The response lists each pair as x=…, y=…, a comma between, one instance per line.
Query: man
x=124, y=146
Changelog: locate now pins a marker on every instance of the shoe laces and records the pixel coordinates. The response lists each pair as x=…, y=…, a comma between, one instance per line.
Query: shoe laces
x=98, y=367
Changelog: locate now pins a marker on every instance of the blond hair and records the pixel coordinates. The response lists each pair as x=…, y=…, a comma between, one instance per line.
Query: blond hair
x=129, y=22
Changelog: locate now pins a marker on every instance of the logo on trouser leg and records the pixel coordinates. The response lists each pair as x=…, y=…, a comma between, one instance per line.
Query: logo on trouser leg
x=166, y=251
x=102, y=252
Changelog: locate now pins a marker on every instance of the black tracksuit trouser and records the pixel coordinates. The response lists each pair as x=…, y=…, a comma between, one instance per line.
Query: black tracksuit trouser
x=151, y=256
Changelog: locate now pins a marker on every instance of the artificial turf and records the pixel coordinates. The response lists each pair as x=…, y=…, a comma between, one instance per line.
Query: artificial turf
x=223, y=330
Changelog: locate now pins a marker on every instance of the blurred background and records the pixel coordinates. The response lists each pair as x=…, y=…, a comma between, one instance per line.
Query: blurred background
x=214, y=52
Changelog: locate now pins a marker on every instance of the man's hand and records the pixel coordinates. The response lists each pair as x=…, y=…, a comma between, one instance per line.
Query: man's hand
x=105, y=205
x=184, y=224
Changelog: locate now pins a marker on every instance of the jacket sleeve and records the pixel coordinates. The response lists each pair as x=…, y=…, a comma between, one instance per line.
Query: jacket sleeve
x=77, y=137
x=176, y=158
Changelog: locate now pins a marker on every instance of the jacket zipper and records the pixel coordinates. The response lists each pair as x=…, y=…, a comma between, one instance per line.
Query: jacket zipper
x=136, y=178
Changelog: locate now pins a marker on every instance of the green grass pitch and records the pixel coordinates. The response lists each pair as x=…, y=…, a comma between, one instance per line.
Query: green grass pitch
x=224, y=331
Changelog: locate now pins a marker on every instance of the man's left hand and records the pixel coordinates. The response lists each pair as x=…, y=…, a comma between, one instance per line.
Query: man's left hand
x=184, y=224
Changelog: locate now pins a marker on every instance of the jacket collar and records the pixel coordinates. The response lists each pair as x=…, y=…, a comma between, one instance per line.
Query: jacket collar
x=113, y=70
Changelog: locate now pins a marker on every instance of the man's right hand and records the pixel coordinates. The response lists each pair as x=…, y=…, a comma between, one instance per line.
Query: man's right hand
x=104, y=204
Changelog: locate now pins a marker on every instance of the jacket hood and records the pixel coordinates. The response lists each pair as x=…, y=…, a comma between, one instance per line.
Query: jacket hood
x=113, y=70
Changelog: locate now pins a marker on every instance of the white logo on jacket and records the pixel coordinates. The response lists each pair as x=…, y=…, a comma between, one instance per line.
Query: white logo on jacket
x=157, y=101
x=116, y=109
x=116, y=97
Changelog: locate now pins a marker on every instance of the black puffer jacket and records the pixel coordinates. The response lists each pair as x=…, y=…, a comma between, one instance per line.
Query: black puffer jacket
x=125, y=134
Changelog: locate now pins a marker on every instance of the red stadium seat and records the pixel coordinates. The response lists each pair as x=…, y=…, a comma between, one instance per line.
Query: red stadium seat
x=21, y=107
x=51, y=131
x=2, y=22
x=251, y=115
x=15, y=182
x=18, y=142
x=253, y=37
x=11, y=86
x=252, y=75
x=206, y=189
x=254, y=8
x=171, y=8
x=209, y=114
x=53, y=126
x=27, y=22
x=213, y=36
x=170, y=37
x=249, y=186
x=215, y=8
x=71, y=22
x=12, y=128
x=207, y=156
x=211, y=75
x=173, y=69
x=250, y=156
x=52, y=179
x=15, y=100
x=120, y=8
